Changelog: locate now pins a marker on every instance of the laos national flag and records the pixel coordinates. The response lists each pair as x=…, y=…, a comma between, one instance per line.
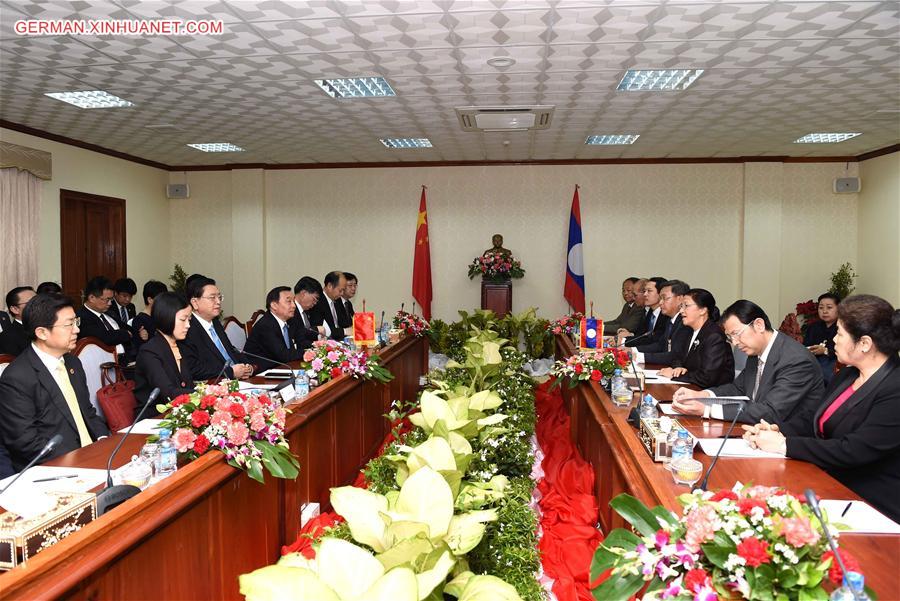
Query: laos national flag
x=573, y=291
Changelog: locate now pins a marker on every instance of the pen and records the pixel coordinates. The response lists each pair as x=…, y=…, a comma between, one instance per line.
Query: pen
x=55, y=478
x=846, y=509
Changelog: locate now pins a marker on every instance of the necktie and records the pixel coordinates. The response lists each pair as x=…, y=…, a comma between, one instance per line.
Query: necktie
x=287, y=339
x=105, y=323
x=669, y=327
x=305, y=320
x=759, y=372
x=124, y=314
x=65, y=385
x=334, y=314
x=652, y=321
x=218, y=342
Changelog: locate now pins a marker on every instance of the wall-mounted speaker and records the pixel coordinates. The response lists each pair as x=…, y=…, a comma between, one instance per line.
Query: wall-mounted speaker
x=847, y=185
x=178, y=191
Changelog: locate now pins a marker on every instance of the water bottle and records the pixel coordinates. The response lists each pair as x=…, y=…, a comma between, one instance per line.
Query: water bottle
x=648, y=408
x=671, y=438
x=683, y=448
x=853, y=588
x=621, y=392
x=168, y=454
x=301, y=385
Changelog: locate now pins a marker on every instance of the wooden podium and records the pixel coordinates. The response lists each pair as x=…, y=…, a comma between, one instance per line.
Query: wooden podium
x=497, y=296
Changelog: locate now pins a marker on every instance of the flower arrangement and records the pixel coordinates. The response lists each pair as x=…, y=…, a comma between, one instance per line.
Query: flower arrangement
x=328, y=359
x=496, y=268
x=807, y=314
x=247, y=428
x=592, y=364
x=751, y=542
x=566, y=325
x=410, y=323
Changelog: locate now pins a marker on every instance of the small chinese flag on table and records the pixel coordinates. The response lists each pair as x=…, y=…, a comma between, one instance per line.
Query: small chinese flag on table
x=364, y=329
x=591, y=333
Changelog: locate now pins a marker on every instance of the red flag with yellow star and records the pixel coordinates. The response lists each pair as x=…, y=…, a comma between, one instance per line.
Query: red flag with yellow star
x=421, y=284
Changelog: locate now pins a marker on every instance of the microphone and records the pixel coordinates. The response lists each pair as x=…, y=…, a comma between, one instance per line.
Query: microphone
x=705, y=480
x=48, y=448
x=814, y=505
x=286, y=397
x=629, y=341
x=113, y=496
x=381, y=329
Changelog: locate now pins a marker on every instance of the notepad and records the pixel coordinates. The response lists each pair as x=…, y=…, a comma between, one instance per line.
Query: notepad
x=242, y=386
x=735, y=447
x=145, y=426
x=651, y=376
x=279, y=374
x=860, y=517
x=667, y=409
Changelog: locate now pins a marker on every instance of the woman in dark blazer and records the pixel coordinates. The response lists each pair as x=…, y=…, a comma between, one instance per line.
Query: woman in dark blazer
x=159, y=363
x=853, y=435
x=819, y=336
x=143, y=328
x=708, y=360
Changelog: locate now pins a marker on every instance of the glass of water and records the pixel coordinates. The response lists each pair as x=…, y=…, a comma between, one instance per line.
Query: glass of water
x=150, y=454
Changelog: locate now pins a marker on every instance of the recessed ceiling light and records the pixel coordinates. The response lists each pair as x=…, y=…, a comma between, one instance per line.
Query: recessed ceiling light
x=406, y=142
x=91, y=99
x=217, y=147
x=657, y=80
x=825, y=138
x=611, y=139
x=356, y=87
x=501, y=62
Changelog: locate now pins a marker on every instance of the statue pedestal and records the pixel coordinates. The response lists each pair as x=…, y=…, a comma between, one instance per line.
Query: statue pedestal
x=497, y=296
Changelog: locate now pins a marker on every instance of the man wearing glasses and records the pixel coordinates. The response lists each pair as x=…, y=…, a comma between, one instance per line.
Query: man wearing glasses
x=781, y=377
x=206, y=348
x=44, y=390
x=95, y=323
x=13, y=340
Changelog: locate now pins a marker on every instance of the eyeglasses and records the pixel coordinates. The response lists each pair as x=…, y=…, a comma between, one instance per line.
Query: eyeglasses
x=686, y=305
x=75, y=323
x=666, y=299
x=215, y=297
x=106, y=299
x=735, y=336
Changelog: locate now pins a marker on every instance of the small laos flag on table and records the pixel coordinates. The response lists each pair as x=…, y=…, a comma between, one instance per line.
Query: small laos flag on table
x=591, y=332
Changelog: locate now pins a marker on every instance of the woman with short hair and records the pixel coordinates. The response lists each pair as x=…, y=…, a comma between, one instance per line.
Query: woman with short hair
x=159, y=363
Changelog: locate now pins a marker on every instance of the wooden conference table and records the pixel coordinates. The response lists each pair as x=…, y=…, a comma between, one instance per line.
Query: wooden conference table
x=621, y=464
x=191, y=535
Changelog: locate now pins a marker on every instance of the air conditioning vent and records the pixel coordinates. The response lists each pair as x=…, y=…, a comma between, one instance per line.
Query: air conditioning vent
x=504, y=118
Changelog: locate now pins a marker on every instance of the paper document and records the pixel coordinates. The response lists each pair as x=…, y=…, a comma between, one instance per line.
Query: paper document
x=279, y=374
x=145, y=426
x=734, y=447
x=26, y=497
x=242, y=386
x=667, y=409
x=651, y=376
x=859, y=516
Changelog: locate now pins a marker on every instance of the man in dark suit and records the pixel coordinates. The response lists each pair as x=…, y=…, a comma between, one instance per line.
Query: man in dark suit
x=4, y=320
x=13, y=339
x=632, y=312
x=329, y=311
x=307, y=292
x=781, y=379
x=348, y=293
x=98, y=295
x=206, y=349
x=675, y=337
x=274, y=336
x=122, y=309
x=44, y=390
x=654, y=322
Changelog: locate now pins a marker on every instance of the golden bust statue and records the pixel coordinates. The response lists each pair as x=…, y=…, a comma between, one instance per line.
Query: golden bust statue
x=498, y=249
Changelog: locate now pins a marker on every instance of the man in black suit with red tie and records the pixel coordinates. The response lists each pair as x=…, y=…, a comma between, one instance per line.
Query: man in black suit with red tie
x=274, y=336
x=13, y=339
x=307, y=292
x=44, y=390
x=95, y=323
x=329, y=310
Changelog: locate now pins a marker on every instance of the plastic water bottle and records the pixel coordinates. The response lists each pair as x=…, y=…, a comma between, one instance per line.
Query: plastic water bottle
x=621, y=392
x=648, y=408
x=301, y=385
x=683, y=447
x=853, y=588
x=168, y=454
x=671, y=438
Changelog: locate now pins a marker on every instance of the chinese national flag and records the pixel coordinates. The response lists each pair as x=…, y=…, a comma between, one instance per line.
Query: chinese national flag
x=421, y=284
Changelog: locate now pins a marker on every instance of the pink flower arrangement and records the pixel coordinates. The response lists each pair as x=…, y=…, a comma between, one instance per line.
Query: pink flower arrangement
x=799, y=532
x=248, y=429
x=329, y=359
x=410, y=323
x=496, y=267
x=567, y=324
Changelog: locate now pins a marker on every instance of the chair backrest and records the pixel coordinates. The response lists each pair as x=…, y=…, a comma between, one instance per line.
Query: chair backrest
x=5, y=360
x=93, y=354
x=236, y=332
x=253, y=319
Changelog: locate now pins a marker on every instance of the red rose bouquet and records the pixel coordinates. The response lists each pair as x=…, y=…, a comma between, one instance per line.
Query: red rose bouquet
x=412, y=324
x=496, y=268
x=591, y=364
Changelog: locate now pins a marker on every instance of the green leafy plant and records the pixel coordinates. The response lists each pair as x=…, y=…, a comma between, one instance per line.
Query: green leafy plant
x=842, y=281
x=178, y=278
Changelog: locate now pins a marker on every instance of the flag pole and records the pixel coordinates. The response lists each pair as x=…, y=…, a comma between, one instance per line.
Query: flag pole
x=592, y=309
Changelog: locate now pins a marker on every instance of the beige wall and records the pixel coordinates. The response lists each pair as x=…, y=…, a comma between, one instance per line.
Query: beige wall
x=146, y=207
x=769, y=231
x=879, y=224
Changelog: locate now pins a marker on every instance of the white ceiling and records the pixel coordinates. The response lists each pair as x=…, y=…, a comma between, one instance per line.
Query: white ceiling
x=774, y=71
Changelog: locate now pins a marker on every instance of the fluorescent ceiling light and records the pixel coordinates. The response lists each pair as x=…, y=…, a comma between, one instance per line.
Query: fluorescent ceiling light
x=217, y=147
x=356, y=87
x=636, y=80
x=91, y=99
x=611, y=139
x=406, y=142
x=825, y=138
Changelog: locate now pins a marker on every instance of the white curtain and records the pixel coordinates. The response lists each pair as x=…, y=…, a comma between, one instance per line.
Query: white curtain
x=20, y=213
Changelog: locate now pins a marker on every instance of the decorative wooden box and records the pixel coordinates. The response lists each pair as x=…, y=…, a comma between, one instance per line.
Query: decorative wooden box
x=20, y=538
x=655, y=441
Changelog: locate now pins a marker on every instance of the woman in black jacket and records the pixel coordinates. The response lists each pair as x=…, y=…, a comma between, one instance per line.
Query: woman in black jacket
x=819, y=336
x=159, y=363
x=853, y=435
x=708, y=360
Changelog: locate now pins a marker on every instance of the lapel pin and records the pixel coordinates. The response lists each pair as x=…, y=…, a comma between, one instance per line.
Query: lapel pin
x=72, y=371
